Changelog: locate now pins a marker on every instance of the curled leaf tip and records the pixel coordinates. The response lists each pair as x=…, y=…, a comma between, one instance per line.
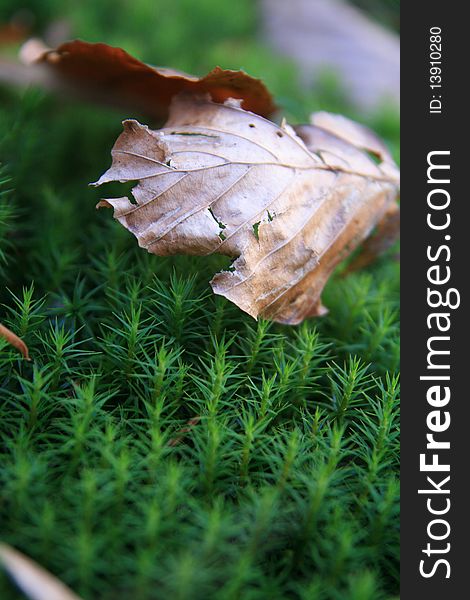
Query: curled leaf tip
x=103, y=204
x=14, y=340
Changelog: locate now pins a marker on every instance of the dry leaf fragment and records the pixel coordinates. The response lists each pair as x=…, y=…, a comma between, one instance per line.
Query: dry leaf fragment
x=287, y=206
x=180, y=435
x=14, y=340
x=111, y=75
x=32, y=579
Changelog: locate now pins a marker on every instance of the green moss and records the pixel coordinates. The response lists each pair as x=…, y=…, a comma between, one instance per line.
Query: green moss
x=287, y=485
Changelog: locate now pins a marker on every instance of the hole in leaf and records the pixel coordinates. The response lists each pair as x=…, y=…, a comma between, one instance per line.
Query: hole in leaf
x=374, y=157
x=251, y=125
x=256, y=230
x=129, y=186
x=119, y=189
x=270, y=216
x=230, y=266
x=219, y=223
x=279, y=134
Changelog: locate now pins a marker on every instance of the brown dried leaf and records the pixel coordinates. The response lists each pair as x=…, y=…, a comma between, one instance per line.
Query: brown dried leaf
x=288, y=206
x=110, y=74
x=32, y=579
